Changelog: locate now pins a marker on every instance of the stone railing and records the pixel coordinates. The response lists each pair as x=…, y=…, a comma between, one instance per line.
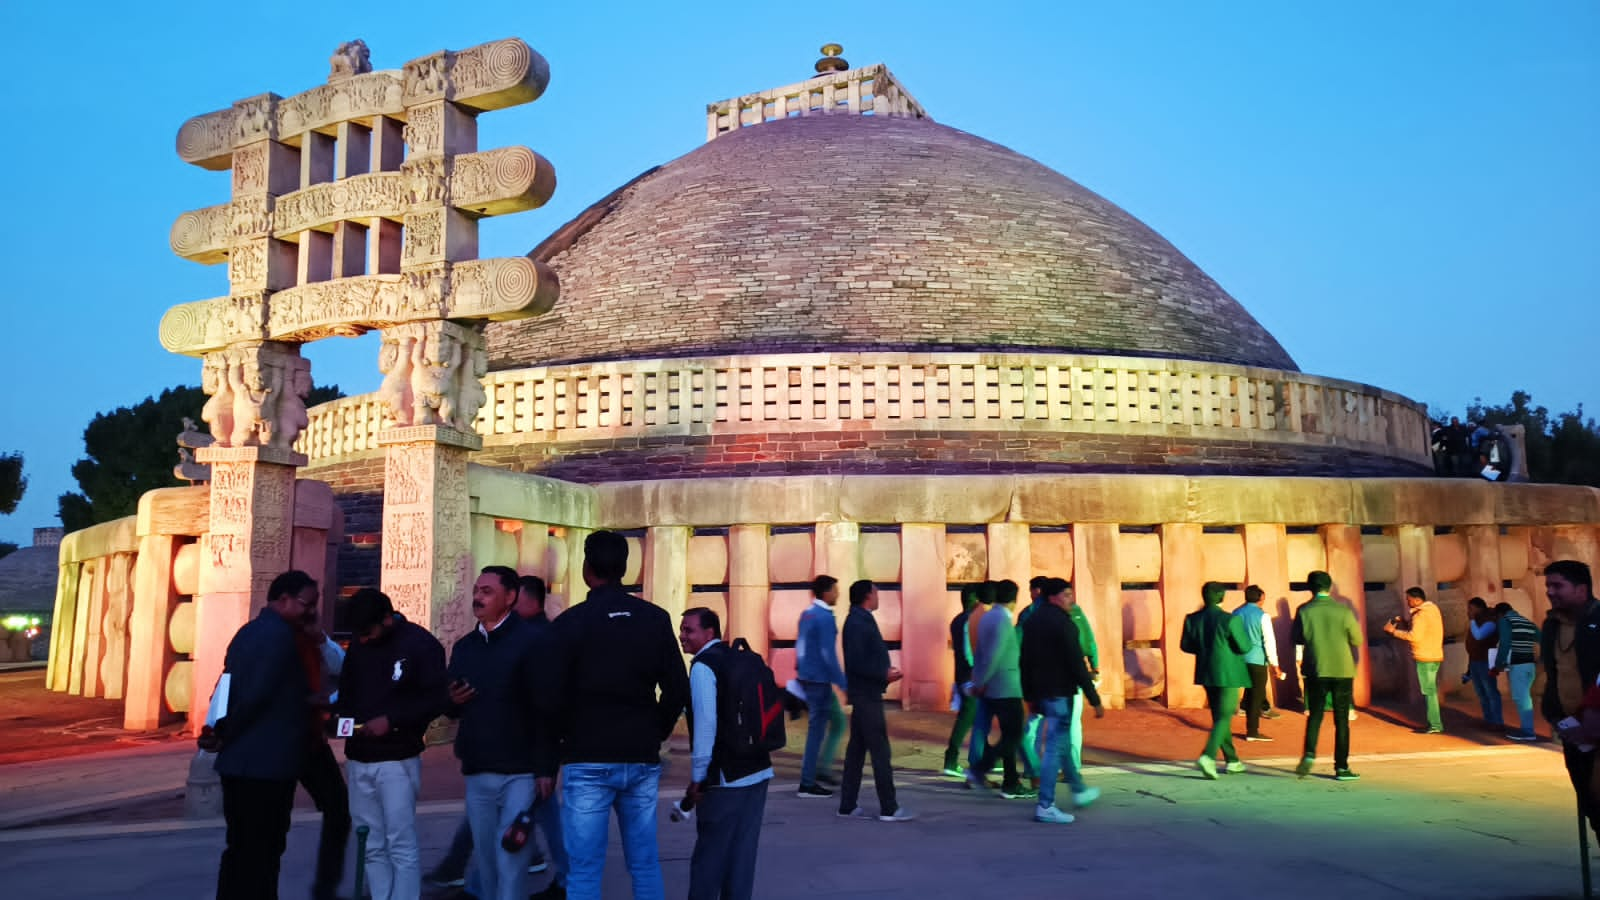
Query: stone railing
x=868, y=91
x=1025, y=393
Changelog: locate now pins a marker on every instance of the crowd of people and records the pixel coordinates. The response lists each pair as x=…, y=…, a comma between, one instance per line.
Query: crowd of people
x=1470, y=450
x=560, y=722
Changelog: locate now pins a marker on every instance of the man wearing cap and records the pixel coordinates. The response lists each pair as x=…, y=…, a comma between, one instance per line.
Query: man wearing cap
x=392, y=687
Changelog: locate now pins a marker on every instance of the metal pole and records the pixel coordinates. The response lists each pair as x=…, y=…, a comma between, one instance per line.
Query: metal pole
x=361, y=860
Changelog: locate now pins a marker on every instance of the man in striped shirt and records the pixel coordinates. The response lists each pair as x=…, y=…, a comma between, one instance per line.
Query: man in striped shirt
x=1517, y=650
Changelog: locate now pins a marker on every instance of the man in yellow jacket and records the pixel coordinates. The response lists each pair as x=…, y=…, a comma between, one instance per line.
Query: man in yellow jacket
x=1425, y=634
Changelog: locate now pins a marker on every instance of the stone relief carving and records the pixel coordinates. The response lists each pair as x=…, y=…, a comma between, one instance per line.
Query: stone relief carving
x=427, y=78
x=255, y=119
x=360, y=197
x=256, y=395
x=425, y=180
x=424, y=131
x=424, y=237
x=250, y=217
x=394, y=361
x=201, y=234
x=351, y=58
x=432, y=374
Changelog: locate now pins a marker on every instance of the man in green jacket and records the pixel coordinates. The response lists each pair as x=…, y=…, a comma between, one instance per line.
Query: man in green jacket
x=1328, y=629
x=1219, y=642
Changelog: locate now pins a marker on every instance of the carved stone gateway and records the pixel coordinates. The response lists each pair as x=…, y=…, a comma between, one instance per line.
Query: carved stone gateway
x=355, y=206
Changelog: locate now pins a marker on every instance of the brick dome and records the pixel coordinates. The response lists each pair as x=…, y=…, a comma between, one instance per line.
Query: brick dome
x=863, y=233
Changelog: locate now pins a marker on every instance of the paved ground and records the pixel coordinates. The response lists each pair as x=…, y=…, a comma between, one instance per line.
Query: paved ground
x=1460, y=815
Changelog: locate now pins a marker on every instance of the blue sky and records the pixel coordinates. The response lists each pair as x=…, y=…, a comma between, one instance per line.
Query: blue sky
x=1405, y=194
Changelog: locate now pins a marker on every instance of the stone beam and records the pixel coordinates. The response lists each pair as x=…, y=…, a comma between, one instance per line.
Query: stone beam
x=493, y=289
x=489, y=76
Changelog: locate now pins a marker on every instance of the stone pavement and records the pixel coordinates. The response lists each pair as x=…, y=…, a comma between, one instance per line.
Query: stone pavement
x=1493, y=822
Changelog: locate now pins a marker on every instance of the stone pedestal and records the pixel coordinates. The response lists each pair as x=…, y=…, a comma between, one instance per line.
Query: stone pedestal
x=427, y=552
x=248, y=545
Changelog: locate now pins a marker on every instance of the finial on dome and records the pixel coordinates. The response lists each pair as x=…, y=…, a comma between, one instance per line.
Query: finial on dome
x=831, y=61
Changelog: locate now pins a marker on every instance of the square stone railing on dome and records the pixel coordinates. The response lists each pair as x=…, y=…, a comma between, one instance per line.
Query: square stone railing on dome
x=944, y=391
x=867, y=91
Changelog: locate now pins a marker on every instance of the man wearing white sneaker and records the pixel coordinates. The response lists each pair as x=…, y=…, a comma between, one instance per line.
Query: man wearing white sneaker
x=1053, y=672
x=1219, y=643
x=868, y=673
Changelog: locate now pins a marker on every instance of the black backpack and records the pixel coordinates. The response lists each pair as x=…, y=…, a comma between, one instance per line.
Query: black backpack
x=750, y=707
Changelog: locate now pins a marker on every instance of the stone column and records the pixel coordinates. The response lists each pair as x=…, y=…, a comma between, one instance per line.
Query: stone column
x=749, y=586
x=666, y=568
x=427, y=552
x=924, y=619
x=63, y=625
x=1097, y=583
x=1266, y=565
x=577, y=589
x=1416, y=570
x=1483, y=564
x=837, y=552
x=248, y=544
x=1010, y=556
x=1342, y=544
x=1182, y=573
x=149, y=651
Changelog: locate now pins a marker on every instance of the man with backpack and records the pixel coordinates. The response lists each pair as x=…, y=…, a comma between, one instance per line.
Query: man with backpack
x=730, y=756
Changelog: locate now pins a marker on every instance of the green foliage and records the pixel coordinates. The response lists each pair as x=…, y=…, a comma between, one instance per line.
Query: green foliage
x=7, y=548
x=13, y=484
x=133, y=449
x=1562, y=449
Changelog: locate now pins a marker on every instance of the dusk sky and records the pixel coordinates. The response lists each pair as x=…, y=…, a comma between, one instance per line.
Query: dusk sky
x=1404, y=194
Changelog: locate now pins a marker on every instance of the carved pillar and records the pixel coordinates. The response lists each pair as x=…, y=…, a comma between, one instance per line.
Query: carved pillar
x=1342, y=544
x=1011, y=556
x=427, y=551
x=749, y=586
x=837, y=552
x=1182, y=573
x=248, y=544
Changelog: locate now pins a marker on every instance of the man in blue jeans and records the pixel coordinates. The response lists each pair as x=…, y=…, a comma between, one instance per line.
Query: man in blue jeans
x=1053, y=673
x=818, y=671
x=494, y=688
x=611, y=654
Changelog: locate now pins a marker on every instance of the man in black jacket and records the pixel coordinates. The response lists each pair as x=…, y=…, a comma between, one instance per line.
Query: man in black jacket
x=610, y=655
x=867, y=674
x=263, y=736
x=1570, y=647
x=966, y=707
x=1053, y=672
x=393, y=685
x=493, y=690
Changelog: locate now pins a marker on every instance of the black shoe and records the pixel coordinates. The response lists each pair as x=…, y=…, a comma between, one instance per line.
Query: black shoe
x=813, y=791
x=553, y=892
x=827, y=780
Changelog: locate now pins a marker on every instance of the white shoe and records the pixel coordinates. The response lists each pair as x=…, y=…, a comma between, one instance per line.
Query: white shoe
x=1083, y=798
x=1052, y=816
x=1236, y=767
x=899, y=815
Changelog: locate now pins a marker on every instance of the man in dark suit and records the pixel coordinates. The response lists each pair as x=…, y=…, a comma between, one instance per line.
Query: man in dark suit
x=263, y=736
x=1219, y=642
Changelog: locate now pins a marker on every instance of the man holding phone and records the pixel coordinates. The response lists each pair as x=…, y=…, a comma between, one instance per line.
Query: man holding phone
x=492, y=693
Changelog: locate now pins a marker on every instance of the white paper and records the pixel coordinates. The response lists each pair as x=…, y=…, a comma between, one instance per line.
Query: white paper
x=347, y=727
x=219, y=701
x=1493, y=652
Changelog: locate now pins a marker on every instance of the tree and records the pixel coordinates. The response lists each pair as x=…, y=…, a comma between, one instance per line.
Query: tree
x=13, y=484
x=1562, y=449
x=132, y=449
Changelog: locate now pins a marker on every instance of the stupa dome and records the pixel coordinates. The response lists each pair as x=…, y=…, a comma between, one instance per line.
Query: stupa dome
x=860, y=233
